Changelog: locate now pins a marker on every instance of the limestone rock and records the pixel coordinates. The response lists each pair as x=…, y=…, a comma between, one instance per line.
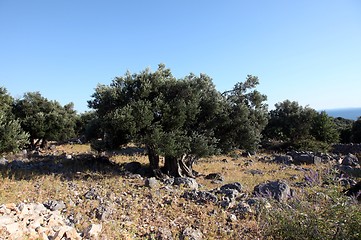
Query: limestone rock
x=93, y=231
x=54, y=205
x=351, y=160
x=215, y=177
x=305, y=158
x=200, y=196
x=191, y=234
x=34, y=221
x=236, y=185
x=285, y=159
x=186, y=182
x=151, y=182
x=279, y=190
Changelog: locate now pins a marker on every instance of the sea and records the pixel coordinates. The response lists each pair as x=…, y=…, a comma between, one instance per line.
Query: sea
x=347, y=113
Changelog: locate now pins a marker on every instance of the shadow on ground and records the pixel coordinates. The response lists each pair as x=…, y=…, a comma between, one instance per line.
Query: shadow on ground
x=81, y=166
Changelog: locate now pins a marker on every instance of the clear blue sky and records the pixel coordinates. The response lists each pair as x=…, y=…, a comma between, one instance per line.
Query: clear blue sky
x=306, y=51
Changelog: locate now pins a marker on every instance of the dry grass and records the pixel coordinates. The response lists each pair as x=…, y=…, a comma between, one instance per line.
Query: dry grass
x=74, y=148
x=137, y=212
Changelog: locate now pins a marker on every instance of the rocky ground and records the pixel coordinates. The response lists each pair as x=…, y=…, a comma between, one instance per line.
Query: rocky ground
x=68, y=193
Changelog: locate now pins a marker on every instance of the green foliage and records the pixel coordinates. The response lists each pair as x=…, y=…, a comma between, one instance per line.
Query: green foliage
x=244, y=118
x=290, y=121
x=6, y=102
x=301, y=127
x=157, y=110
x=344, y=127
x=324, y=129
x=318, y=215
x=88, y=126
x=177, y=117
x=356, y=131
x=44, y=119
x=12, y=136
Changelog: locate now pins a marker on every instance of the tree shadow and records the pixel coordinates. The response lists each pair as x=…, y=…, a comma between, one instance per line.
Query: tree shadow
x=81, y=166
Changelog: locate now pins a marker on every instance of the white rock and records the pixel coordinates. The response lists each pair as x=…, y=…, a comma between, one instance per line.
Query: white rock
x=5, y=220
x=93, y=231
x=14, y=230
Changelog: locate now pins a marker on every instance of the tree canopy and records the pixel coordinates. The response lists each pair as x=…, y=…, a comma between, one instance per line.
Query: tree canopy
x=12, y=136
x=43, y=119
x=301, y=127
x=356, y=131
x=180, y=119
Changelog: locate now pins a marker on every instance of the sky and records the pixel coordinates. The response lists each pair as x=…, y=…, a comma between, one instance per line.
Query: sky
x=306, y=51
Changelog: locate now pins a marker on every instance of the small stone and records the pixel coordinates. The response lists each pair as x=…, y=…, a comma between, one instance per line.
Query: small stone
x=102, y=213
x=151, y=182
x=54, y=205
x=236, y=185
x=168, y=181
x=11, y=206
x=284, y=159
x=215, y=177
x=232, y=218
x=5, y=220
x=276, y=189
x=93, y=231
x=71, y=233
x=227, y=203
x=14, y=229
x=191, y=234
x=243, y=209
x=164, y=234
x=3, y=162
x=186, y=182
x=351, y=160
x=224, y=160
x=201, y=197
x=91, y=194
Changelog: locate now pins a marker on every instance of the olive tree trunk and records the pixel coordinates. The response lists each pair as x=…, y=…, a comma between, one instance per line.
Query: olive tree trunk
x=153, y=158
x=173, y=166
x=180, y=167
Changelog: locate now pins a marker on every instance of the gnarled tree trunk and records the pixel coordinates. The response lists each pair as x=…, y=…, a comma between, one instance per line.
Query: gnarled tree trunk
x=173, y=166
x=180, y=167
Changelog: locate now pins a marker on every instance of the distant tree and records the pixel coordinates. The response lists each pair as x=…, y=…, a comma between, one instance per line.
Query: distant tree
x=344, y=127
x=290, y=122
x=301, y=127
x=6, y=102
x=324, y=129
x=356, y=131
x=181, y=120
x=45, y=120
x=12, y=136
x=88, y=126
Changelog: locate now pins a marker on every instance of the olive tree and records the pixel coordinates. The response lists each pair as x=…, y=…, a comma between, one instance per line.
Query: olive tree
x=180, y=119
x=356, y=131
x=301, y=127
x=12, y=136
x=45, y=120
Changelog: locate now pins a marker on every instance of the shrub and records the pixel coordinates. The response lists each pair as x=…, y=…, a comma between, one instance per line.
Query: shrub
x=317, y=216
x=12, y=137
